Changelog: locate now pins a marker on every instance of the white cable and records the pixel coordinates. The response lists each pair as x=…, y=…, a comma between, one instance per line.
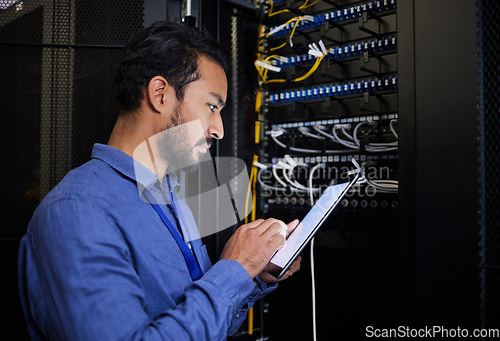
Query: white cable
x=294, y=183
x=281, y=189
x=305, y=150
x=391, y=186
x=355, y=133
x=355, y=143
x=268, y=65
x=343, y=142
x=313, y=291
x=275, y=174
x=313, y=170
x=318, y=127
x=288, y=173
x=305, y=131
x=293, y=149
x=373, y=147
x=282, y=26
x=313, y=282
x=393, y=130
x=344, y=131
x=266, y=186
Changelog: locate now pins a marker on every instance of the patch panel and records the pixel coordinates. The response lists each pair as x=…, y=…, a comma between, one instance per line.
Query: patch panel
x=312, y=160
x=363, y=198
x=338, y=16
x=336, y=121
x=339, y=89
x=339, y=52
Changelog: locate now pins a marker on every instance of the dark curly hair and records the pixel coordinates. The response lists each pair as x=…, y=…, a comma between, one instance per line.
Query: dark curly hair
x=165, y=49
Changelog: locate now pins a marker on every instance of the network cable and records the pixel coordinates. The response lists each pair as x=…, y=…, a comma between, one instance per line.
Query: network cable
x=313, y=279
x=279, y=131
x=393, y=130
x=265, y=65
x=287, y=167
x=352, y=142
x=390, y=186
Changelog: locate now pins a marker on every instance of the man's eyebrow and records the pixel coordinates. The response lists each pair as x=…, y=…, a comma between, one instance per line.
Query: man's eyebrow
x=219, y=99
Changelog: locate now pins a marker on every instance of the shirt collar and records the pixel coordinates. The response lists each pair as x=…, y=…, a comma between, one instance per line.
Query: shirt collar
x=129, y=167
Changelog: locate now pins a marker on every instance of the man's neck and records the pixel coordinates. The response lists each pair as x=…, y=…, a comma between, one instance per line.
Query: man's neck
x=138, y=143
x=125, y=135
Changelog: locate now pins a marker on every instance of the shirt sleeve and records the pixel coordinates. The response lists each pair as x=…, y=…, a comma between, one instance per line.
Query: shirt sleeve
x=84, y=285
x=260, y=290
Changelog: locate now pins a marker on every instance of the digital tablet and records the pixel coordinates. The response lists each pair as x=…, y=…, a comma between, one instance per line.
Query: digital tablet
x=306, y=229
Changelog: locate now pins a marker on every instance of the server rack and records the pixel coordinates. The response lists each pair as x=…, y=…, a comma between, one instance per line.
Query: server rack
x=416, y=261
x=327, y=93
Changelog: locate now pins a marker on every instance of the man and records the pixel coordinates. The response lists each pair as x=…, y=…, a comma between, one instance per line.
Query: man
x=104, y=261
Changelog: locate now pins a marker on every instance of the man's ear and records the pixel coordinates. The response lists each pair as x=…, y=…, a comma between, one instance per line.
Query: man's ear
x=159, y=93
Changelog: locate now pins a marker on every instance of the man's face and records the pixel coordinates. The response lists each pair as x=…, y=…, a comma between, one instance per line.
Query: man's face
x=196, y=120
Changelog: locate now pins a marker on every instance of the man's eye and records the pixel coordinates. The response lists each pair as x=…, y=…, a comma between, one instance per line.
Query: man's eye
x=212, y=107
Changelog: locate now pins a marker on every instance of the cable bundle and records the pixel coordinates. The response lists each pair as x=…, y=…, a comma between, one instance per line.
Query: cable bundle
x=351, y=141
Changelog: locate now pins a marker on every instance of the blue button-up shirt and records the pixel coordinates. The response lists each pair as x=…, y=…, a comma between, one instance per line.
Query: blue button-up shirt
x=97, y=263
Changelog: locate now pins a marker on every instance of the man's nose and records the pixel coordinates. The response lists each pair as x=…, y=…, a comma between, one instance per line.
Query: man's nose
x=216, y=127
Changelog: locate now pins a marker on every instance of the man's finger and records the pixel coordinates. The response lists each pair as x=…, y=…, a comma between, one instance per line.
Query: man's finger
x=277, y=242
x=254, y=223
x=277, y=228
x=264, y=225
x=296, y=264
x=291, y=226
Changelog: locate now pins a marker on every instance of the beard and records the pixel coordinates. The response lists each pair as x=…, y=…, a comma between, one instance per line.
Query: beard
x=176, y=147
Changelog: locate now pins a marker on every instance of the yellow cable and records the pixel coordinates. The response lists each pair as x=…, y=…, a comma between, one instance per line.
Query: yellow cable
x=282, y=11
x=311, y=70
x=250, y=321
x=254, y=192
x=277, y=47
x=275, y=81
x=263, y=73
x=259, y=69
x=295, y=26
x=251, y=184
x=271, y=56
x=257, y=132
x=306, y=6
x=258, y=104
x=258, y=101
x=298, y=79
x=270, y=13
x=248, y=194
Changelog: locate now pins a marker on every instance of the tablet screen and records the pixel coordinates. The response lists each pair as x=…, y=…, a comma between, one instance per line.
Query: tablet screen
x=310, y=224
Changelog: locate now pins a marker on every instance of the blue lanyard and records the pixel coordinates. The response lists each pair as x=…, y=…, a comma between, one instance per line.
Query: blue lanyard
x=191, y=262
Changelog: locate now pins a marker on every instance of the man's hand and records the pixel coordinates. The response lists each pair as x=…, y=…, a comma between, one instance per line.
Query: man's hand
x=253, y=244
x=266, y=275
